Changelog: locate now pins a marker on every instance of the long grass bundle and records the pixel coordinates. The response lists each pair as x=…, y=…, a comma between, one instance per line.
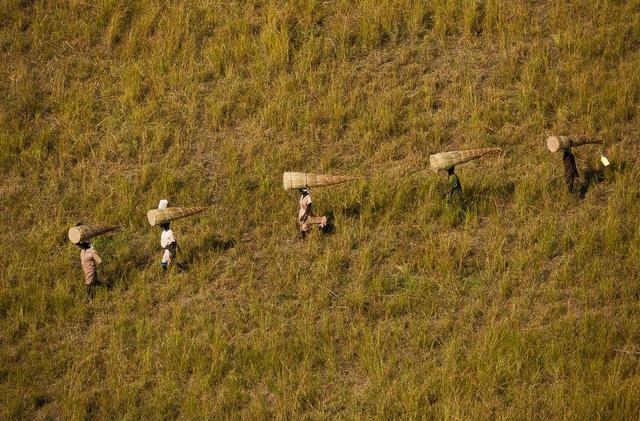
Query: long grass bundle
x=160, y=216
x=297, y=180
x=555, y=143
x=445, y=160
x=86, y=232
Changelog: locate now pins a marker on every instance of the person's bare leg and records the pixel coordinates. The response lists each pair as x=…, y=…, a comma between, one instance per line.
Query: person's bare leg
x=90, y=292
x=317, y=220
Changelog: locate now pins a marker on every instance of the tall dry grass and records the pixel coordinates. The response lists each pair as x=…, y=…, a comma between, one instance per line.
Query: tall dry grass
x=525, y=308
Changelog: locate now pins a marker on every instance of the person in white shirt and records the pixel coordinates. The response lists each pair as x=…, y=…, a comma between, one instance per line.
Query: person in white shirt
x=169, y=245
x=305, y=214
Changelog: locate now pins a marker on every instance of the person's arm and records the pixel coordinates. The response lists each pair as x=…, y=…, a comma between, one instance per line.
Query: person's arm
x=304, y=217
x=452, y=185
x=172, y=238
x=305, y=205
x=173, y=244
x=96, y=257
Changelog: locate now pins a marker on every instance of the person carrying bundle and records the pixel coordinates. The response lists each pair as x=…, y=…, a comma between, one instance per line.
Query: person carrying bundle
x=566, y=143
x=570, y=169
x=447, y=161
x=80, y=235
x=305, y=213
x=162, y=216
x=89, y=260
x=302, y=181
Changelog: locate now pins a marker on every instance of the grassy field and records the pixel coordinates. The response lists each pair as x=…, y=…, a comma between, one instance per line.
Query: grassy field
x=529, y=308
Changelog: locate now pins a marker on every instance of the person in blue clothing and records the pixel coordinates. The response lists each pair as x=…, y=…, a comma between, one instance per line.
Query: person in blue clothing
x=454, y=194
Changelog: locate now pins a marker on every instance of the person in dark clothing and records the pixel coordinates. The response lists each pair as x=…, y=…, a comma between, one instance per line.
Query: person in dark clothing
x=570, y=169
x=455, y=204
x=455, y=191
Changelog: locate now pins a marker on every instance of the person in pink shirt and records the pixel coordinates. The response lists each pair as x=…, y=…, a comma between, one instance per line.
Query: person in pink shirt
x=305, y=214
x=89, y=260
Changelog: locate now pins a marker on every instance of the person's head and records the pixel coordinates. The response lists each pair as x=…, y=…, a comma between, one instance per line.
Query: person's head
x=566, y=152
x=84, y=245
x=305, y=191
x=451, y=170
x=165, y=226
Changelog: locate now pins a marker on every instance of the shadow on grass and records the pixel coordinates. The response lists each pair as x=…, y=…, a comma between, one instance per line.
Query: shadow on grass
x=210, y=242
x=330, y=227
x=352, y=211
x=475, y=195
x=123, y=265
x=184, y=259
x=592, y=177
x=219, y=244
x=213, y=242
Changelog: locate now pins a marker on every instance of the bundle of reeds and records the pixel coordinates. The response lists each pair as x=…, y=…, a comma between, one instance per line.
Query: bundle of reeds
x=297, y=180
x=445, y=160
x=160, y=216
x=556, y=143
x=81, y=233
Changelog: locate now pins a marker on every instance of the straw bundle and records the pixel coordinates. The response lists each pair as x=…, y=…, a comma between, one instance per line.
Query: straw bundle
x=160, y=216
x=297, y=180
x=555, y=143
x=86, y=232
x=445, y=160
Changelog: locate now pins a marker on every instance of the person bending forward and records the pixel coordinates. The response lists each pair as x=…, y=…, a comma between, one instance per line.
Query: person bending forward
x=305, y=214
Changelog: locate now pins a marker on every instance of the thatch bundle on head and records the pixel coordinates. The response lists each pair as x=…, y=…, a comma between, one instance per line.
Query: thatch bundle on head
x=160, y=216
x=556, y=143
x=444, y=160
x=82, y=233
x=298, y=180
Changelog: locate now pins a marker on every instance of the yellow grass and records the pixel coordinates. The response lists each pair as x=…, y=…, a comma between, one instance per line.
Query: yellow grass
x=525, y=308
